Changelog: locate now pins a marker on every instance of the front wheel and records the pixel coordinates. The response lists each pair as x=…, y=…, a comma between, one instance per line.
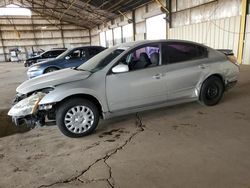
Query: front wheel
x=50, y=69
x=77, y=117
x=211, y=91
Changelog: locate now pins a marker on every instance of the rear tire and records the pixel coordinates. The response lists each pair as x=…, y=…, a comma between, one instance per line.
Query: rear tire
x=211, y=91
x=77, y=117
x=50, y=69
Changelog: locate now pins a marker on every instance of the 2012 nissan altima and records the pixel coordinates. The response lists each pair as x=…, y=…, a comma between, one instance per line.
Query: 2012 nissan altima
x=127, y=78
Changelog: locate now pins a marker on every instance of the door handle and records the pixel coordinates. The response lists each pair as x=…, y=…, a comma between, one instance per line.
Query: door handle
x=157, y=76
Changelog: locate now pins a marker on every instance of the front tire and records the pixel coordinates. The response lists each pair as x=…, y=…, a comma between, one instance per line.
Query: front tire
x=50, y=69
x=211, y=91
x=77, y=117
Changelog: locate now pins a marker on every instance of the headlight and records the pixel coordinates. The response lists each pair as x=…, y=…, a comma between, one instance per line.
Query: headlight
x=35, y=68
x=26, y=106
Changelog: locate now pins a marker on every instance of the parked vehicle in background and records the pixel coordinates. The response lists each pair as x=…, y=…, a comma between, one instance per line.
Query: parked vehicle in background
x=36, y=53
x=50, y=54
x=126, y=79
x=71, y=58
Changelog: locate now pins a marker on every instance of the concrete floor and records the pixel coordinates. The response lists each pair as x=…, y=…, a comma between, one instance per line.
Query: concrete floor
x=188, y=145
x=11, y=75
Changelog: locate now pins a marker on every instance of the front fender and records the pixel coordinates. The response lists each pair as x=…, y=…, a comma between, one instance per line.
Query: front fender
x=60, y=94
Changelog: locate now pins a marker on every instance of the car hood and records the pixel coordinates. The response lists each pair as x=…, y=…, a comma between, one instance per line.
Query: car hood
x=33, y=58
x=46, y=62
x=52, y=79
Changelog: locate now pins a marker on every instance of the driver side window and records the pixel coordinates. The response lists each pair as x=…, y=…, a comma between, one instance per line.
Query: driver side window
x=75, y=54
x=145, y=57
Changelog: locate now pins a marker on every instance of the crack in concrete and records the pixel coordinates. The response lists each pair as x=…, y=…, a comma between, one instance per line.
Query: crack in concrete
x=110, y=180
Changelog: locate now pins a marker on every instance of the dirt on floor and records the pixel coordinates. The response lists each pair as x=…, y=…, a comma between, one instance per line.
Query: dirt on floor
x=11, y=75
x=7, y=127
x=187, y=145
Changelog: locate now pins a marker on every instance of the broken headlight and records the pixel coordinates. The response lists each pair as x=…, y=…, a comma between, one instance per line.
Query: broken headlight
x=26, y=106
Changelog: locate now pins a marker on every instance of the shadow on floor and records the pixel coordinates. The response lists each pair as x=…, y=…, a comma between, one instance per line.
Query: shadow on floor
x=7, y=127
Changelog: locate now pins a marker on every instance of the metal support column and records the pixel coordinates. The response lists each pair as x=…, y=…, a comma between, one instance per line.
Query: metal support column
x=134, y=25
x=62, y=35
x=90, y=37
x=2, y=44
x=242, y=30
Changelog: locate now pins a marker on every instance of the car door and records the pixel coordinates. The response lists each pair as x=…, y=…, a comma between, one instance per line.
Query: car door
x=142, y=85
x=185, y=63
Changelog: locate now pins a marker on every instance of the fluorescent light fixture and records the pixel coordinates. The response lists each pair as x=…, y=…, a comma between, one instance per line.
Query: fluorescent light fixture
x=14, y=10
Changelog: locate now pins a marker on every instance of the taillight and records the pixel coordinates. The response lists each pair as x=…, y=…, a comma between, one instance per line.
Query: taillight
x=233, y=59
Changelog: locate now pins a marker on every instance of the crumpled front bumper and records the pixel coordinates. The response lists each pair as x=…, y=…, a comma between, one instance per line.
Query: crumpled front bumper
x=18, y=120
x=24, y=110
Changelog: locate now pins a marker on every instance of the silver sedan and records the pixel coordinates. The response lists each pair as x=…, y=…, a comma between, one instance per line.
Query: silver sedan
x=127, y=78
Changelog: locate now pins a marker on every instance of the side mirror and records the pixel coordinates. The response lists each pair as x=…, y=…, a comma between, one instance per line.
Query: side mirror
x=120, y=68
x=67, y=57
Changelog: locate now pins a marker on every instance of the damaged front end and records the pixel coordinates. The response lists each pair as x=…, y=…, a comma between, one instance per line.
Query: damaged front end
x=26, y=110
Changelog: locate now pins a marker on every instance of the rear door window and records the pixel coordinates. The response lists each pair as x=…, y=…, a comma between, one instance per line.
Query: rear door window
x=175, y=52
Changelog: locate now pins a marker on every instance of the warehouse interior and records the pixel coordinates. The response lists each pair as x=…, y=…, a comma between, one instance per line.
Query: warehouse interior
x=187, y=145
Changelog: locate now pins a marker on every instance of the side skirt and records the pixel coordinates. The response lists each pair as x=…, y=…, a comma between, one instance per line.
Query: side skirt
x=108, y=115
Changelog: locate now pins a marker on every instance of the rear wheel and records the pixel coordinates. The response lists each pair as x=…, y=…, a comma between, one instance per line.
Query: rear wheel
x=50, y=69
x=211, y=91
x=77, y=117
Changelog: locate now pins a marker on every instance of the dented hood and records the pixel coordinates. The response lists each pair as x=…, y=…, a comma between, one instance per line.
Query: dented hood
x=52, y=79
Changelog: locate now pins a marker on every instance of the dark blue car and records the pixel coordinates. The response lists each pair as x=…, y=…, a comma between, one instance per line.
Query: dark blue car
x=71, y=58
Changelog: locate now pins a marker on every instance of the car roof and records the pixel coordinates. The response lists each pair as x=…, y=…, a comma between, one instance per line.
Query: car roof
x=57, y=49
x=81, y=47
x=142, y=42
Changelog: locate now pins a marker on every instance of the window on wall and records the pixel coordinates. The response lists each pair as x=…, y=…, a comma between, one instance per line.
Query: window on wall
x=103, y=39
x=156, y=27
x=14, y=10
x=117, y=35
x=109, y=38
x=127, y=32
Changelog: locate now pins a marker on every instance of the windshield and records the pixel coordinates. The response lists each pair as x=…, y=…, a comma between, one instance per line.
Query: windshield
x=101, y=60
x=41, y=54
x=63, y=54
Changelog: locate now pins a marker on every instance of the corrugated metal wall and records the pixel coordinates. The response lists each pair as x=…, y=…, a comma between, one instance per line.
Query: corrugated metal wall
x=219, y=34
x=37, y=32
x=141, y=15
x=216, y=24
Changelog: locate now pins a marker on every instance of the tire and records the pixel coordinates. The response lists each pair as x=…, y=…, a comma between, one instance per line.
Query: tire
x=50, y=69
x=211, y=91
x=82, y=112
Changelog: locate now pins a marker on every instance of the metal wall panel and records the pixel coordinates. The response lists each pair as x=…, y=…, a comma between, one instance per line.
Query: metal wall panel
x=222, y=33
x=246, y=52
x=37, y=32
x=188, y=12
